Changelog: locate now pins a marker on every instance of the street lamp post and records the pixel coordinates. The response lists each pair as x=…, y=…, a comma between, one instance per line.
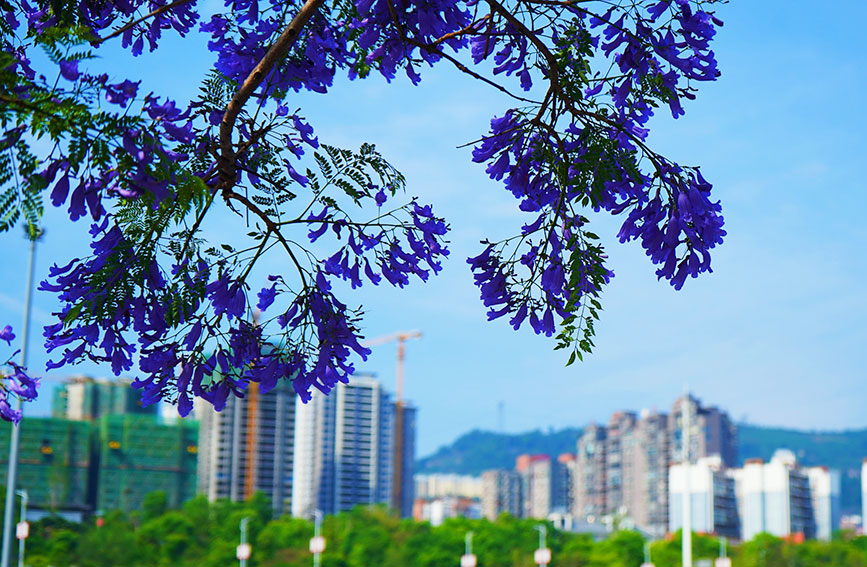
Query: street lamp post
x=722, y=560
x=543, y=555
x=317, y=542
x=647, y=562
x=243, y=551
x=468, y=559
x=12, y=471
x=22, y=530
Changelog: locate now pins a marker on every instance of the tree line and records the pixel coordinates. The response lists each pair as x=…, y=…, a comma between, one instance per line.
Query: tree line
x=205, y=534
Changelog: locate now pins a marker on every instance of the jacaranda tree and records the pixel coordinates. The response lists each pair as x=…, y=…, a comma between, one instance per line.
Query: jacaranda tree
x=155, y=299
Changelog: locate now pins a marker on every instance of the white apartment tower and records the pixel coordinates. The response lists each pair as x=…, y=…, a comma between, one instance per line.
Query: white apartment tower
x=863, y=493
x=248, y=446
x=775, y=497
x=825, y=492
x=344, y=449
x=713, y=507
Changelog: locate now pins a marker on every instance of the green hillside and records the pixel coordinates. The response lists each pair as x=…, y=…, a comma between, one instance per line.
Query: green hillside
x=477, y=451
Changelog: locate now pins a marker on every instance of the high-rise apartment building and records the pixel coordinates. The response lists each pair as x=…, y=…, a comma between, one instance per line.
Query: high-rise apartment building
x=825, y=492
x=589, y=499
x=536, y=473
x=406, y=496
x=248, y=446
x=645, y=473
x=618, y=453
x=501, y=493
x=775, y=497
x=713, y=504
x=345, y=450
x=864, y=495
x=562, y=484
x=711, y=433
x=83, y=398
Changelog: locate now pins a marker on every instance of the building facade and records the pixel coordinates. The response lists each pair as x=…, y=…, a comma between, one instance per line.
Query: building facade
x=54, y=463
x=589, y=497
x=248, y=446
x=430, y=486
x=713, y=503
x=825, y=493
x=345, y=450
x=136, y=455
x=83, y=398
x=501, y=494
x=775, y=497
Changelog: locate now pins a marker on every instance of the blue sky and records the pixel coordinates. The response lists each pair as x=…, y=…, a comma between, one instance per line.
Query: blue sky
x=777, y=335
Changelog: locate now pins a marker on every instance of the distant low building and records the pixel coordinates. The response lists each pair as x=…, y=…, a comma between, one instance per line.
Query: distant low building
x=429, y=486
x=437, y=510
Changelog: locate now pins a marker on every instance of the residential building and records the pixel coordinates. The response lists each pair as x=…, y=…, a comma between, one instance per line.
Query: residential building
x=589, y=500
x=713, y=503
x=618, y=453
x=775, y=497
x=345, y=450
x=825, y=492
x=437, y=510
x=711, y=433
x=864, y=495
x=136, y=455
x=249, y=446
x=85, y=398
x=501, y=494
x=429, y=486
x=562, y=484
x=536, y=473
x=403, y=496
x=645, y=473
x=54, y=463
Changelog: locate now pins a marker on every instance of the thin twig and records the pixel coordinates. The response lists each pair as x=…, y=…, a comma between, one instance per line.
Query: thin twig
x=134, y=23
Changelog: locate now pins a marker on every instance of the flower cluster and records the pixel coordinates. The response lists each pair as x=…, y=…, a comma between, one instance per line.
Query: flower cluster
x=17, y=383
x=154, y=300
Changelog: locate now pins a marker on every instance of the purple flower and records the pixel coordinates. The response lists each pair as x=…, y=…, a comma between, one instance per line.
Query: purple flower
x=69, y=70
x=7, y=335
x=266, y=297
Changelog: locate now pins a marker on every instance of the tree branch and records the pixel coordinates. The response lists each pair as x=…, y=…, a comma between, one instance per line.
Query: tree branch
x=277, y=51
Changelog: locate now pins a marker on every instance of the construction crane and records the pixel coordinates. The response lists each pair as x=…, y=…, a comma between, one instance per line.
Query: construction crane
x=401, y=338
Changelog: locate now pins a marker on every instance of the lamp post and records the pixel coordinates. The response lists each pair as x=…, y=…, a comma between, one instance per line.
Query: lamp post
x=12, y=473
x=686, y=538
x=722, y=560
x=243, y=551
x=468, y=559
x=317, y=542
x=542, y=556
x=647, y=562
x=22, y=530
